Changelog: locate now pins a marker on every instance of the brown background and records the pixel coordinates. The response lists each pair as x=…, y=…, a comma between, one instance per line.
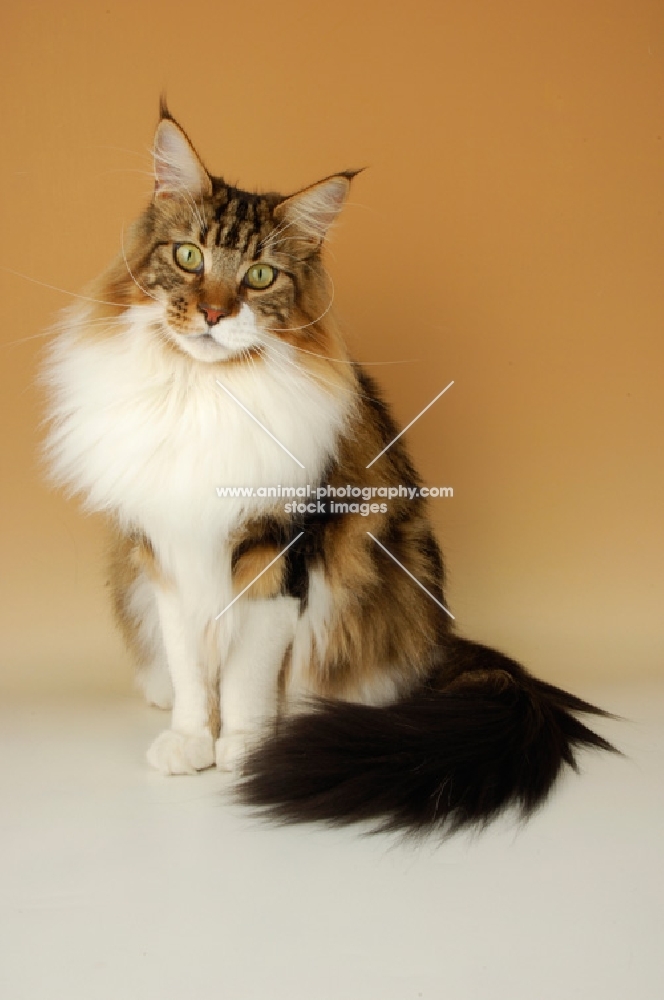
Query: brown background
x=508, y=235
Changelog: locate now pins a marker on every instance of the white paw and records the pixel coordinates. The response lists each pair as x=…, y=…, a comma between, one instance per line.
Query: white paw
x=231, y=750
x=181, y=753
x=155, y=683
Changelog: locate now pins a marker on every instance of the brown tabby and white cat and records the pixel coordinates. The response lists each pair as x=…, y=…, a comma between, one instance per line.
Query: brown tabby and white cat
x=207, y=356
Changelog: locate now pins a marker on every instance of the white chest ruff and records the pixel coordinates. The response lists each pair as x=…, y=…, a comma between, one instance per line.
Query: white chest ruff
x=148, y=436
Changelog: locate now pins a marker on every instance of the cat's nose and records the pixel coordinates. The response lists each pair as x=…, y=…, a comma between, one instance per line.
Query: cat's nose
x=212, y=313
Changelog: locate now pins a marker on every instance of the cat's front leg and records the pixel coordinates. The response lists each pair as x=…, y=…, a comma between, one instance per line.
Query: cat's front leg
x=250, y=675
x=188, y=746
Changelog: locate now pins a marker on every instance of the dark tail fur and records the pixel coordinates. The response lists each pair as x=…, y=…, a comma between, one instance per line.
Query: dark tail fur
x=482, y=735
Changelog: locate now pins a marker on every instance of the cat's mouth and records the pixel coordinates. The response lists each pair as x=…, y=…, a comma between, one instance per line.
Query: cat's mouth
x=210, y=336
x=221, y=341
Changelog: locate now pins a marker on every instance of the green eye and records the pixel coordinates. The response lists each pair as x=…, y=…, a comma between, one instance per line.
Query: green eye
x=259, y=276
x=188, y=256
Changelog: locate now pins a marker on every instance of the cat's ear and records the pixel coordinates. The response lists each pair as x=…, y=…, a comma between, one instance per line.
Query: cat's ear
x=178, y=169
x=312, y=211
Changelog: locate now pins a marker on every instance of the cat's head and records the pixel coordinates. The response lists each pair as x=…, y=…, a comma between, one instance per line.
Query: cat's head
x=228, y=269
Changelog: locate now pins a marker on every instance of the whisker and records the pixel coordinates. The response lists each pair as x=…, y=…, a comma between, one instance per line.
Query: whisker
x=189, y=198
x=121, y=149
x=126, y=170
x=350, y=361
x=54, y=331
x=294, y=329
x=280, y=360
x=62, y=325
x=55, y=288
x=276, y=355
x=159, y=156
x=278, y=230
x=35, y=336
x=275, y=237
x=359, y=204
x=327, y=357
x=131, y=273
x=314, y=378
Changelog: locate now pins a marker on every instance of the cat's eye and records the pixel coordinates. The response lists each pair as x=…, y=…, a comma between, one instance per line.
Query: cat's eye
x=188, y=256
x=260, y=276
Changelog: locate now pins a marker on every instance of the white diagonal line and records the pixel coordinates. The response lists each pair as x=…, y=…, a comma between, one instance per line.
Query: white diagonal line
x=387, y=447
x=250, y=414
x=258, y=576
x=408, y=572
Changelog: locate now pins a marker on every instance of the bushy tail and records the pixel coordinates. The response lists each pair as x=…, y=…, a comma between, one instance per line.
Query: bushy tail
x=480, y=737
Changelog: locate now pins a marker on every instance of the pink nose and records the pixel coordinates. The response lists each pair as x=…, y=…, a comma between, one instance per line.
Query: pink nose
x=212, y=313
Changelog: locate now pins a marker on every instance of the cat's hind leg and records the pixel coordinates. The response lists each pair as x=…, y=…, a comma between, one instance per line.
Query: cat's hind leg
x=139, y=616
x=155, y=682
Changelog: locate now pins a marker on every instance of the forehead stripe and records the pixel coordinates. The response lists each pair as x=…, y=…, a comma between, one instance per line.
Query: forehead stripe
x=228, y=222
x=246, y=232
x=231, y=234
x=222, y=198
x=253, y=248
x=242, y=210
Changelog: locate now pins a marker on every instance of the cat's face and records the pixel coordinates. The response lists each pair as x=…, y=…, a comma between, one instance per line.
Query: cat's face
x=229, y=270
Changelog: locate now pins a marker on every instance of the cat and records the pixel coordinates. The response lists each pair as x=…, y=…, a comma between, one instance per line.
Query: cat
x=305, y=648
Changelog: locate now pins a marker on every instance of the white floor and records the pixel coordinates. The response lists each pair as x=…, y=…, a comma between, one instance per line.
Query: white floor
x=118, y=883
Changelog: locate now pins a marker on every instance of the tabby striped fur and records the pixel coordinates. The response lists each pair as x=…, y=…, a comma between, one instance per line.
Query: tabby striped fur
x=145, y=382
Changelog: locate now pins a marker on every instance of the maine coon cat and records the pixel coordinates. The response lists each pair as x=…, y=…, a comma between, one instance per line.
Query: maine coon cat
x=291, y=646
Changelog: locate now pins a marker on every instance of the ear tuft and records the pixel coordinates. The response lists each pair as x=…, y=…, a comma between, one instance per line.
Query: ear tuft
x=178, y=169
x=312, y=211
x=163, y=108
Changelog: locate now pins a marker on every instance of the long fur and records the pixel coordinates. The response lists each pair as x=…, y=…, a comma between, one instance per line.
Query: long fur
x=162, y=384
x=478, y=737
